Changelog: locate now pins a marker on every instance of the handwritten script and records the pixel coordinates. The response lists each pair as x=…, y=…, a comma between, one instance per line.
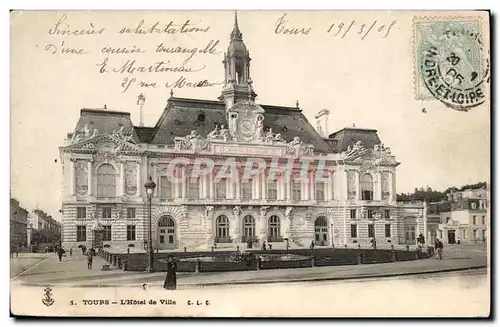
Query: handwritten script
x=153, y=54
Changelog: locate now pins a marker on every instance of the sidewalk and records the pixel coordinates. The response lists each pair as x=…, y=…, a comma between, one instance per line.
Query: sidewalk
x=73, y=272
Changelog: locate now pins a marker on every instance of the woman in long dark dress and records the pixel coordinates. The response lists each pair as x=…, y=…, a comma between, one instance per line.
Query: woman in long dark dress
x=171, y=278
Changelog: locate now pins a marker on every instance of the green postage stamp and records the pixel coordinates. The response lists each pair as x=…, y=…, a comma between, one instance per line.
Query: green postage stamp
x=450, y=64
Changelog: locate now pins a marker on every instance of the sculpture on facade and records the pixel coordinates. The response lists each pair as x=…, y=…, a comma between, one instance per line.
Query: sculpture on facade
x=288, y=212
x=214, y=134
x=236, y=211
x=123, y=135
x=270, y=137
x=296, y=147
x=209, y=212
x=84, y=134
x=259, y=125
x=263, y=211
x=224, y=133
x=233, y=121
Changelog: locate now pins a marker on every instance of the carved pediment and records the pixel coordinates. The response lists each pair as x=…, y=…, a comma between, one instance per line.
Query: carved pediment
x=104, y=143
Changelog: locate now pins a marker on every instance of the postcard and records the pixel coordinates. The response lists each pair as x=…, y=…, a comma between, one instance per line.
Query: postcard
x=250, y=163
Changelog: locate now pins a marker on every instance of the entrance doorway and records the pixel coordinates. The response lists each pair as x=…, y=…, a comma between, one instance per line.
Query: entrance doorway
x=410, y=237
x=166, y=233
x=451, y=236
x=321, y=231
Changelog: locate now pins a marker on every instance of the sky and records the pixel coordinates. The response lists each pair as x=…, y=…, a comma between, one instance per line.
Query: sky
x=363, y=76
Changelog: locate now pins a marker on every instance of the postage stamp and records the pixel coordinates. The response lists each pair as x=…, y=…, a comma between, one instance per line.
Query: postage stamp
x=450, y=63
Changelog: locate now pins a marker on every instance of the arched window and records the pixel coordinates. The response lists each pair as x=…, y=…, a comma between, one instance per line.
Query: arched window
x=166, y=232
x=106, y=181
x=366, y=185
x=220, y=189
x=274, y=234
x=321, y=230
x=222, y=230
x=248, y=228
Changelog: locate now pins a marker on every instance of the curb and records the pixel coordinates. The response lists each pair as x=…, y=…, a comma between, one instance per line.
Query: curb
x=275, y=281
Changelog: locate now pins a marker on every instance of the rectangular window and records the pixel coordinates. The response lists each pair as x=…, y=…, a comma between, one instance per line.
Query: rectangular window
x=473, y=220
x=474, y=234
x=246, y=190
x=81, y=233
x=130, y=212
x=387, y=214
x=106, y=212
x=319, y=193
x=370, y=213
x=296, y=190
x=367, y=195
x=166, y=186
x=81, y=212
x=272, y=190
x=130, y=233
x=354, y=231
x=194, y=189
x=220, y=189
x=464, y=234
x=371, y=230
x=388, y=230
x=483, y=220
x=106, y=233
x=353, y=213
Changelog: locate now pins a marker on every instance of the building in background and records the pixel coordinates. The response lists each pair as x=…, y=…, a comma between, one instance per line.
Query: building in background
x=18, y=224
x=43, y=228
x=106, y=160
x=463, y=217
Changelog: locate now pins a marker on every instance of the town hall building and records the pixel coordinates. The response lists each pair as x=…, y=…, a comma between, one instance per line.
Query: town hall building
x=106, y=161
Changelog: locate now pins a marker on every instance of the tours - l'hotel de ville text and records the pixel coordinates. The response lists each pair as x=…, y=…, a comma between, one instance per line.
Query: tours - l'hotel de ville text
x=107, y=160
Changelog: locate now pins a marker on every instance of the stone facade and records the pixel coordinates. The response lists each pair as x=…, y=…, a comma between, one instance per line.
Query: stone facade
x=107, y=160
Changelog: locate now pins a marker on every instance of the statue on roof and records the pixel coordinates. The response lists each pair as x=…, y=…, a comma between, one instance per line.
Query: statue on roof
x=223, y=133
x=214, y=133
x=84, y=134
x=259, y=125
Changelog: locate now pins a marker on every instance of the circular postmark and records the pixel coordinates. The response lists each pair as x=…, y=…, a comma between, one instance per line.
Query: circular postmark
x=451, y=65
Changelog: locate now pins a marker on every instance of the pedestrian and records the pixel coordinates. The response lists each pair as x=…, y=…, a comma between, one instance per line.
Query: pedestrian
x=70, y=252
x=90, y=258
x=439, y=249
x=60, y=251
x=84, y=249
x=312, y=245
x=263, y=245
x=171, y=278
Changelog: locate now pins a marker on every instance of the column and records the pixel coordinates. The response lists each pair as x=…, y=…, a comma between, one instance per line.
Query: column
x=122, y=178
x=379, y=187
x=312, y=185
x=72, y=177
x=89, y=176
x=256, y=186
x=425, y=223
x=263, y=185
x=391, y=192
x=289, y=189
x=358, y=193
x=183, y=185
x=138, y=178
x=154, y=176
x=280, y=185
x=331, y=187
x=177, y=184
x=304, y=192
x=211, y=185
x=238, y=184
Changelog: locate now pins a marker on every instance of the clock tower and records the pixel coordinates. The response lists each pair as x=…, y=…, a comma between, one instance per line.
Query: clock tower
x=237, y=81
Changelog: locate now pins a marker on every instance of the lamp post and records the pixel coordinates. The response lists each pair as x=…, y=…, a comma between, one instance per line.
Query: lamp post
x=150, y=189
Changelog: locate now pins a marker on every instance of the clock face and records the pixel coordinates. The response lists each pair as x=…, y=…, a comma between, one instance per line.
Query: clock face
x=247, y=128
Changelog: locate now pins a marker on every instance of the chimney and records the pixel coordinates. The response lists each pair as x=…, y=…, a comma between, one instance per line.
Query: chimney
x=322, y=122
x=140, y=102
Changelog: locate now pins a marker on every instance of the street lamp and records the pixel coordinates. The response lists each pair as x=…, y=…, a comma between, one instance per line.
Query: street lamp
x=150, y=189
